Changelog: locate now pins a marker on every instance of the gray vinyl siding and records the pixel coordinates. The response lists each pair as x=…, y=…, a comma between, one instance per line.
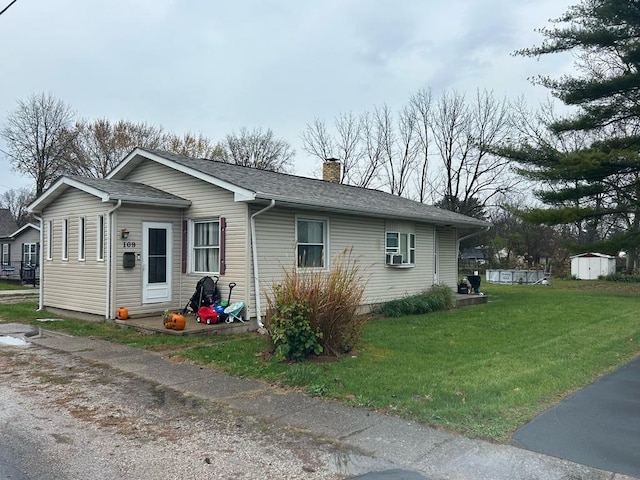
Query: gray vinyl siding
x=448, y=253
x=29, y=235
x=362, y=237
x=208, y=201
x=72, y=284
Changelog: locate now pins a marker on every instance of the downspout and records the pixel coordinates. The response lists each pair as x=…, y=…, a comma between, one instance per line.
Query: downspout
x=109, y=259
x=40, y=274
x=485, y=229
x=254, y=255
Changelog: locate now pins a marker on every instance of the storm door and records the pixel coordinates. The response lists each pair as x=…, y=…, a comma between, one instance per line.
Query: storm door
x=156, y=262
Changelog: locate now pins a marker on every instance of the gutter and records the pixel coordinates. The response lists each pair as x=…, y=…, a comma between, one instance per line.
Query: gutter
x=40, y=274
x=109, y=259
x=254, y=254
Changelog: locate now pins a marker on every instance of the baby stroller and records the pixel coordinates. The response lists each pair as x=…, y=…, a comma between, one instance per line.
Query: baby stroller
x=206, y=294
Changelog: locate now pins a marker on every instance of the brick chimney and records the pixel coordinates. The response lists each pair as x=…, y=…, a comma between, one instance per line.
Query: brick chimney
x=331, y=170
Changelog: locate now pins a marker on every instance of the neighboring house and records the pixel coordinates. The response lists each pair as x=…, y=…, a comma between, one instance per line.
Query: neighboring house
x=20, y=253
x=7, y=226
x=473, y=257
x=142, y=237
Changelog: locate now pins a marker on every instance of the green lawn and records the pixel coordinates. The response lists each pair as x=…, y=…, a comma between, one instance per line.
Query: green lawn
x=481, y=370
x=4, y=285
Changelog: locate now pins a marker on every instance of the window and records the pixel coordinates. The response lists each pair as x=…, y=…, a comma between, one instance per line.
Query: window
x=30, y=254
x=50, y=240
x=100, y=239
x=6, y=259
x=82, y=244
x=205, y=242
x=311, y=238
x=400, y=248
x=65, y=239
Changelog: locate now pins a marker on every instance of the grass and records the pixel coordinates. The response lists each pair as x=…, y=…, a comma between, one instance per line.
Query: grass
x=4, y=285
x=481, y=370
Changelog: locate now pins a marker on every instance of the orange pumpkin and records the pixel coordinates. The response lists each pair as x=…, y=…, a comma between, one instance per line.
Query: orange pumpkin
x=178, y=321
x=122, y=313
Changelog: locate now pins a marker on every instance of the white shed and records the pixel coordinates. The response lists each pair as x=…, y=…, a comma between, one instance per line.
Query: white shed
x=589, y=266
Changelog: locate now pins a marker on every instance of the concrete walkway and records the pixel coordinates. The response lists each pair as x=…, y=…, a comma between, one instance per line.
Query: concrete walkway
x=379, y=443
x=21, y=295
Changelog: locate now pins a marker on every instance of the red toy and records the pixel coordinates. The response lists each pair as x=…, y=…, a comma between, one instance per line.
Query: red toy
x=207, y=314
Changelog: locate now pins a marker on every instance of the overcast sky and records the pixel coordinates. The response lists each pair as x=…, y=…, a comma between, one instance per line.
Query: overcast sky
x=213, y=67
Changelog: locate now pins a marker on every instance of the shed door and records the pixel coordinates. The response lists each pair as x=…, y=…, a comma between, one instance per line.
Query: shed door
x=156, y=262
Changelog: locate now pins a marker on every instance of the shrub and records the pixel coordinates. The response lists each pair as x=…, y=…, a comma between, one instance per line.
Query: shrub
x=291, y=334
x=623, y=277
x=328, y=301
x=438, y=297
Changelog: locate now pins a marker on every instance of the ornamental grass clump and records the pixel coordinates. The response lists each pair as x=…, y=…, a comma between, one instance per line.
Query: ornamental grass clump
x=438, y=297
x=322, y=303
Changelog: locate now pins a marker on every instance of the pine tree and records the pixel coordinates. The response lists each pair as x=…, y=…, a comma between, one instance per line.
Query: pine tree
x=595, y=188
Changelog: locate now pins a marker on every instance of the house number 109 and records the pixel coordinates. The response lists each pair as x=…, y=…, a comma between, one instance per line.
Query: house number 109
x=128, y=244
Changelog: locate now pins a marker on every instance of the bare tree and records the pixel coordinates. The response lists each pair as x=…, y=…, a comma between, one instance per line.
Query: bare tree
x=101, y=144
x=464, y=135
x=421, y=105
x=399, y=147
x=38, y=139
x=258, y=149
x=346, y=145
x=17, y=200
x=191, y=145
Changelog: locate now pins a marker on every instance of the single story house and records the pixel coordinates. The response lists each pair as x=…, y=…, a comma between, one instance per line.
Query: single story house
x=8, y=225
x=590, y=266
x=143, y=236
x=19, y=252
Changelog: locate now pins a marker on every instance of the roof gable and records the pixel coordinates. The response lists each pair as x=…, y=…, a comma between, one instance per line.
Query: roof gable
x=109, y=190
x=23, y=229
x=251, y=184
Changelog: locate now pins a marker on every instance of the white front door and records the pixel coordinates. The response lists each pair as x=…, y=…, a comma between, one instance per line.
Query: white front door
x=156, y=262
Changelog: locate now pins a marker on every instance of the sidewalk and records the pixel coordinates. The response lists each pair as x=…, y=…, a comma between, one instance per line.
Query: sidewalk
x=22, y=295
x=378, y=442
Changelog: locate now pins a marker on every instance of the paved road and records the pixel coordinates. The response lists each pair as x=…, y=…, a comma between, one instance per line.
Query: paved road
x=598, y=425
x=62, y=419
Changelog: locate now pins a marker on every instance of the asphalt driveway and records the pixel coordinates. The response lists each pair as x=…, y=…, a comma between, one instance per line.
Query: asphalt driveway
x=597, y=426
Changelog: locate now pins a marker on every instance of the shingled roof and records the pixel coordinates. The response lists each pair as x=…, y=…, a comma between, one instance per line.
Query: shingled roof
x=7, y=224
x=304, y=192
x=110, y=190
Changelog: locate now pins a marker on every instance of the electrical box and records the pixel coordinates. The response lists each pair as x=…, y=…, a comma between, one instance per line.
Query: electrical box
x=129, y=260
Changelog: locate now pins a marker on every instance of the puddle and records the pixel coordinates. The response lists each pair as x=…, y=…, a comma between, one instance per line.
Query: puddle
x=13, y=341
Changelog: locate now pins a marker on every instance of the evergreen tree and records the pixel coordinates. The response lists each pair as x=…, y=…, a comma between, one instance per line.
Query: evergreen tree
x=595, y=188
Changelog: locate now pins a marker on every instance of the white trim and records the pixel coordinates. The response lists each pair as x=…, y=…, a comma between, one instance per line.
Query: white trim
x=191, y=258
x=326, y=237
x=160, y=292
x=64, y=254
x=50, y=230
x=82, y=238
x=100, y=238
x=24, y=227
x=63, y=184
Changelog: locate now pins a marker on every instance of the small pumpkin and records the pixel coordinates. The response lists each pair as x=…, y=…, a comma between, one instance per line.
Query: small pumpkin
x=178, y=321
x=122, y=313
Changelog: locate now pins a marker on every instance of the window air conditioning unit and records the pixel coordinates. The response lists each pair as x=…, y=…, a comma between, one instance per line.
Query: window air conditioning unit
x=394, y=259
